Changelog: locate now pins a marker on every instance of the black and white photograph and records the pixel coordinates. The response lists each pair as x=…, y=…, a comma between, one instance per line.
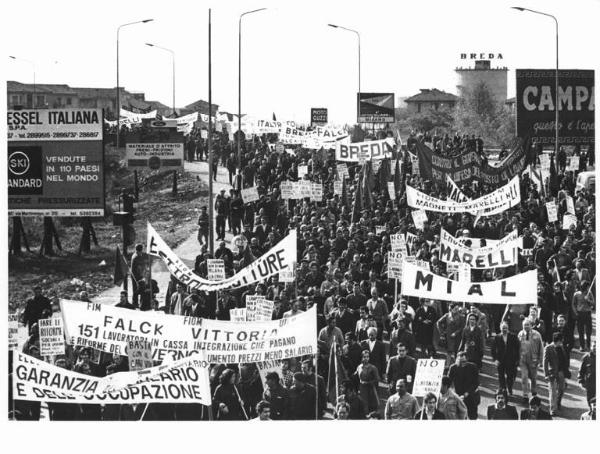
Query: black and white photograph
x=297, y=213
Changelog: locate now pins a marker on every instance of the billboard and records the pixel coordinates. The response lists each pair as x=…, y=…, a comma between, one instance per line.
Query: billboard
x=318, y=116
x=376, y=108
x=535, y=101
x=55, y=162
x=154, y=156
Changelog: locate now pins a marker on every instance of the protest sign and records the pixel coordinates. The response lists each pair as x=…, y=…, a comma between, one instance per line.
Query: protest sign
x=266, y=367
x=182, y=381
x=342, y=170
x=379, y=229
x=287, y=190
x=279, y=257
x=52, y=338
x=394, y=265
x=373, y=150
x=398, y=243
x=305, y=189
x=316, y=191
x=215, y=269
x=502, y=253
x=411, y=239
x=251, y=301
x=318, y=116
x=238, y=315
x=428, y=377
x=109, y=329
x=55, y=162
x=250, y=194
x=391, y=190
x=419, y=218
x=288, y=275
x=423, y=264
x=338, y=187
x=570, y=205
x=139, y=354
x=493, y=203
x=552, y=211
x=519, y=289
x=573, y=163
x=154, y=156
x=545, y=161
x=263, y=309
x=13, y=331
x=568, y=221
x=302, y=170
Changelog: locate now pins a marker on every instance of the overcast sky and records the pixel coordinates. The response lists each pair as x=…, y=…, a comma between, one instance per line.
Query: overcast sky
x=291, y=59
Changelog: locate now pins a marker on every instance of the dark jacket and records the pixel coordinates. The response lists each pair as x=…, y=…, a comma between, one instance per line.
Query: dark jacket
x=508, y=412
x=542, y=415
x=377, y=355
x=279, y=398
x=302, y=403
x=35, y=309
x=399, y=368
x=465, y=378
x=507, y=353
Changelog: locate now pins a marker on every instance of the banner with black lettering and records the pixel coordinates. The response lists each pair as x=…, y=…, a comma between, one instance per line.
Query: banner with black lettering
x=355, y=152
x=495, y=202
x=503, y=253
x=110, y=328
x=183, y=381
x=519, y=289
x=279, y=257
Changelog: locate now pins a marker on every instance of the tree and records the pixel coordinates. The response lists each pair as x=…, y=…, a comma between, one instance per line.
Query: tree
x=477, y=112
x=431, y=119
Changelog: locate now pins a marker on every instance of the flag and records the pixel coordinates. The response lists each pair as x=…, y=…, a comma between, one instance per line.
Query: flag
x=274, y=117
x=398, y=176
x=368, y=181
x=344, y=193
x=385, y=175
x=121, y=268
x=336, y=375
x=357, y=207
x=553, y=186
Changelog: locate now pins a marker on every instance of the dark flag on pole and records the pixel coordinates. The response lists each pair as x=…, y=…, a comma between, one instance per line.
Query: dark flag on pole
x=385, y=175
x=397, y=175
x=121, y=268
x=368, y=181
x=553, y=186
x=357, y=207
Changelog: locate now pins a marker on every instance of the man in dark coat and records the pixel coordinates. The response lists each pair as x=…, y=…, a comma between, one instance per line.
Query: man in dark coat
x=500, y=410
x=36, y=308
x=505, y=353
x=535, y=411
x=376, y=350
x=277, y=396
x=401, y=366
x=465, y=378
x=302, y=399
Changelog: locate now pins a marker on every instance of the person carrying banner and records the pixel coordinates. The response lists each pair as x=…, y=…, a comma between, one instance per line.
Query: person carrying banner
x=277, y=396
x=226, y=400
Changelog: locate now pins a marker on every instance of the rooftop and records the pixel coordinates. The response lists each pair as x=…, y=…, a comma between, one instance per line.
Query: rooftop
x=432, y=95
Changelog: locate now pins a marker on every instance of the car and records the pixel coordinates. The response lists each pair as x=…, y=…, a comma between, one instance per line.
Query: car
x=587, y=181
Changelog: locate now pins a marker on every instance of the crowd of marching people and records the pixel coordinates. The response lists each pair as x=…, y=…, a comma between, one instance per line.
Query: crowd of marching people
x=375, y=333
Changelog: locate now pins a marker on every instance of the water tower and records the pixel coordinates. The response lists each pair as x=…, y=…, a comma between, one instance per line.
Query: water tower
x=494, y=78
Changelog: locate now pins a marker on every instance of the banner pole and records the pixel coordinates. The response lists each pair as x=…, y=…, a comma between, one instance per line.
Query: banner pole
x=335, y=366
x=591, y=285
x=241, y=402
x=144, y=412
x=317, y=384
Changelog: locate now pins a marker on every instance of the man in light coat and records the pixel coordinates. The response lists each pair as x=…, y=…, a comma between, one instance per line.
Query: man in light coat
x=531, y=350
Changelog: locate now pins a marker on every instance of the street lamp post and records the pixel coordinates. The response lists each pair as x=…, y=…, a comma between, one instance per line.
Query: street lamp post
x=173, y=60
x=118, y=107
x=358, y=36
x=239, y=142
x=33, y=101
x=556, y=98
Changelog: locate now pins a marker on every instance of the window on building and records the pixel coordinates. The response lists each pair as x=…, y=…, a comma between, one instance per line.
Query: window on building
x=68, y=101
x=40, y=101
x=15, y=100
x=59, y=101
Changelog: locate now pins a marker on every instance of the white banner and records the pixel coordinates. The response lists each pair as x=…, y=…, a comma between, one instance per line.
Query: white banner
x=136, y=118
x=52, y=337
x=502, y=253
x=110, y=328
x=568, y=221
x=570, y=205
x=376, y=149
x=391, y=190
x=187, y=119
x=419, y=219
x=495, y=202
x=519, y=289
x=279, y=257
x=183, y=381
x=428, y=377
